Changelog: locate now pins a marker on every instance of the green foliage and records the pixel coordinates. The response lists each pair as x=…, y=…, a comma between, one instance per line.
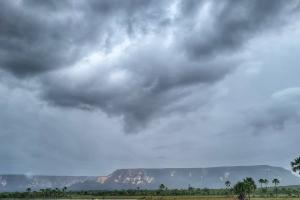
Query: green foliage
x=245, y=187
x=227, y=184
x=250, y=185
x=296, y=165
x=275, y=181
x=162, y=187
x=239, y=188
x=64, y=193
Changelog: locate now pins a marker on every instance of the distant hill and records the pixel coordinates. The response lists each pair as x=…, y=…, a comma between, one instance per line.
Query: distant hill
x=212, y=177
x=21, y=182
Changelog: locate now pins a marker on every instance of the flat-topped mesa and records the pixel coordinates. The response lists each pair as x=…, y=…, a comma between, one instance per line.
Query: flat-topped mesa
x=147, y=178
x=211, y=177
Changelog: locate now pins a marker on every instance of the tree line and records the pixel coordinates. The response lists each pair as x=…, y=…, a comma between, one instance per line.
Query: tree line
x=243, y=189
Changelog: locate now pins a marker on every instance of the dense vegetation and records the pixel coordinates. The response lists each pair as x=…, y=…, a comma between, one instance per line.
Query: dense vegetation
x=229, y=192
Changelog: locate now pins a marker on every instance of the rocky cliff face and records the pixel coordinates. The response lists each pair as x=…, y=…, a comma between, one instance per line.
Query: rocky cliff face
x=214, y=177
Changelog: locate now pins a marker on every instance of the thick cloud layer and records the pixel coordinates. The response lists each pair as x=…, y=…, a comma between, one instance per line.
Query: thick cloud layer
x=133, y=59
x=230, y=24
x=38, y=36
x=192, y=77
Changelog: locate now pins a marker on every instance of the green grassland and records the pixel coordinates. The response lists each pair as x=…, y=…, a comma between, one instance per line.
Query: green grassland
x=170, y=198
x=270, y=193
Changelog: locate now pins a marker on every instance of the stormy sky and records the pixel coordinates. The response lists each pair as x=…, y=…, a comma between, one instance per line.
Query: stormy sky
x=87, y=87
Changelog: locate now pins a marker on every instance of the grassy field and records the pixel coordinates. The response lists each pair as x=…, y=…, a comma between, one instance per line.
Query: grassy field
x=213, y=198
x=198, y=198
x=189, y=198
x=165, y=198
x=180, y=198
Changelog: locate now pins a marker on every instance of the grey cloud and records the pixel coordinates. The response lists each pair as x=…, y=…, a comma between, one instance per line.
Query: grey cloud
x=35, y=138
x=282, y=108
x=145, y=90
x=231, y=24
x=38, y=36
x=144, y=70
x=31, y=43
x=129, y=61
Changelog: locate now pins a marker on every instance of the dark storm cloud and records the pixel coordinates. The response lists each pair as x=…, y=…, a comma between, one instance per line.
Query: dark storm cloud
x=138, y=94
x=37, y=36
x=30, y=41
x=130, y=59
x=231, y=25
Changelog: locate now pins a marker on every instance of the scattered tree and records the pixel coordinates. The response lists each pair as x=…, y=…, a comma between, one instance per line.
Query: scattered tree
x=245, y=187
x=162, y=187
x=227, y=184
x=296, y=165
x=261, y=182
x=266, y=181
x=250, y=186
x=64, y=190
x=240, y=190
x=190, y=189
x=275, y=181
x=28, y=190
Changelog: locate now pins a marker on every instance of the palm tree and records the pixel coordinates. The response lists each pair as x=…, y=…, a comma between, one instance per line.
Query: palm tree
x=296, y=165
x=266, y=181
x=190, y=189
x=43, y=192
x=240, y=189
x=162, y=187
x=276, y=182
x=261, y=182
x=64, y=190
x=28, y=190
x=250, y=186
x=227, y=184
